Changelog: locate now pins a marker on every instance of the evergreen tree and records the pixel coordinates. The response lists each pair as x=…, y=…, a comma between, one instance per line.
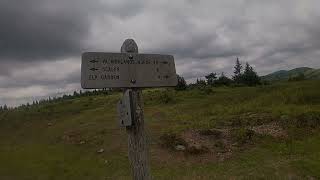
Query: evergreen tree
x=182, y=85
x=75, y=94
x=250, y=77
x=211, y=78
x=200, y=82
x=5, y=107
x=237, y=72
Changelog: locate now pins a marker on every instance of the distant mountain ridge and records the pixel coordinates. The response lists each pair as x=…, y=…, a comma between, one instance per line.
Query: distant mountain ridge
x=308, y=73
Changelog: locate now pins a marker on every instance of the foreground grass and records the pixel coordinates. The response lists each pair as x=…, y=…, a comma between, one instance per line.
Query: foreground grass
x=60, y=140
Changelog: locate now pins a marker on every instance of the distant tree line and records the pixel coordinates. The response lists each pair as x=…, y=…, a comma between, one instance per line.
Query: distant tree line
x=75, y=94
x=4, y=108
x=241, y=77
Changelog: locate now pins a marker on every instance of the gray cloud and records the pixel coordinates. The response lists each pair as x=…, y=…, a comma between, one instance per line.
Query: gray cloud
x=43, y=73
x=41, y=41
x=37, y=30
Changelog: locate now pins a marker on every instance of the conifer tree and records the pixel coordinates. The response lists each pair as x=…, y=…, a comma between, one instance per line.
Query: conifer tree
x=200, y=82
x=237, y=72
x=5, y=107
x=250, y=77
x=182, y=85
x=211, y=78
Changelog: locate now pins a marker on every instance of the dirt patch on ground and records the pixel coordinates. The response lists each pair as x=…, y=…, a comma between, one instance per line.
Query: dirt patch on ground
x=207, y=140
x=217, y=144
x=214, y=142
x=72, y=137
x=273, y=129
x=205, y=145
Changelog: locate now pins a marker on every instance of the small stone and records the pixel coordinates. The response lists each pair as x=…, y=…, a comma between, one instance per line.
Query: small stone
x=82, y=142
x=106, y=161
x=100, y=150
x=180, y=148
x=50, y=124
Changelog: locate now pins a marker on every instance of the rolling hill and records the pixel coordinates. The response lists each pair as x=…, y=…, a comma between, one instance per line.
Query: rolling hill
x=264, y=132
x=283, y=75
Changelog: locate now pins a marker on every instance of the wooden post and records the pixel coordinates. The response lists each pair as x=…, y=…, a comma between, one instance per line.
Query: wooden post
x=137, y=142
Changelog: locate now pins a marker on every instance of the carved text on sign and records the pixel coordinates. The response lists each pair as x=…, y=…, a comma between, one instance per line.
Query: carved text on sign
x=101, y=70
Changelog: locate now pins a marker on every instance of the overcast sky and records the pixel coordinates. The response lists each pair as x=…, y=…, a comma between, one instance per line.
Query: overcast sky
x=41, y=41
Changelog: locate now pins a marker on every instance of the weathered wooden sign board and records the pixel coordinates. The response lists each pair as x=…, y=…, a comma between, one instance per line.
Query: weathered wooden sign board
x=107, y=70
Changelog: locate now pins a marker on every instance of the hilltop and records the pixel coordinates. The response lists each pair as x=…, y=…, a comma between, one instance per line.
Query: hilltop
x=283, y=75
x=266, y=132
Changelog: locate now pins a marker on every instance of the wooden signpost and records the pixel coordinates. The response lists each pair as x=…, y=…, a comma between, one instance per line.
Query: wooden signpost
x=132, y=71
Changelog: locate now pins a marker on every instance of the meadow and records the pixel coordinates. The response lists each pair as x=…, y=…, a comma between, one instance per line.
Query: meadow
x=262, y=132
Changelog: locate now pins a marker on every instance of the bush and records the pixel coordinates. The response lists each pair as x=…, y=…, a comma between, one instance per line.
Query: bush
x=311, y=119
x=242, y=135
x=166, y=97
x=204, y=90
x=223, y=80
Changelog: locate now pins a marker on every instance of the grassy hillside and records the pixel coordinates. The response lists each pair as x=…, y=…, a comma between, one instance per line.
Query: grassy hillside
x=267, y=132
x=312, y=74
x=308, y=73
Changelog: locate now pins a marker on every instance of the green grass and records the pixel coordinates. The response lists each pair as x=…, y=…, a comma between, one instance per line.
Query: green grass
x=31, y=149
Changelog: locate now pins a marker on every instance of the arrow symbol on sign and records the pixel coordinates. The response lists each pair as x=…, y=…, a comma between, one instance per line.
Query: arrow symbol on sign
x=94, y=69
x=94, y=61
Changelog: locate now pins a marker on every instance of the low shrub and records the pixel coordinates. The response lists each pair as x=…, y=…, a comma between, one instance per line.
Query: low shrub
x=242, y=135
x=166, y=96
x=310, y=119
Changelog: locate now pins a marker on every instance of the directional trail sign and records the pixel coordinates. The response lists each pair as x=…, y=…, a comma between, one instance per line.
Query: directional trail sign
x=131, y=71
x=127, y=70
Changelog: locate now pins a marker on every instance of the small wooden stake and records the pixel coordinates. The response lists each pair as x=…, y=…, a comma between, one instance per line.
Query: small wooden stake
x=137, y=142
